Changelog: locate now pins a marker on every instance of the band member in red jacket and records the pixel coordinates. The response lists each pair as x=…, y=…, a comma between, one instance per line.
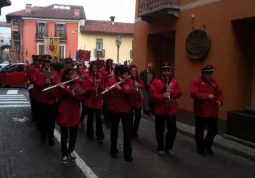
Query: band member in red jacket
x=207, y=97
x=82, y=74
x=119, y=100
x=137, y=99
x=30, y=70
x=164, y=92
x=94, y=86
x=46, y=100
x=106, y=72
x=68, y=113
x=68, y=64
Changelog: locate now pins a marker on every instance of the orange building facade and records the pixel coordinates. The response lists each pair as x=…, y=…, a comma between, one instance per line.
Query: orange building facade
x=32, y=25
x=160, y=34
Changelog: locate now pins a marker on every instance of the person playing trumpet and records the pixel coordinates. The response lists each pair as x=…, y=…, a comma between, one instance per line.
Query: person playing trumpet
x=93, y=85
x=164, y=91
x=137, y=99
x=207, y=97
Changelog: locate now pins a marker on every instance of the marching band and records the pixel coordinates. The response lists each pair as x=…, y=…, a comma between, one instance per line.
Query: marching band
x=116, y=93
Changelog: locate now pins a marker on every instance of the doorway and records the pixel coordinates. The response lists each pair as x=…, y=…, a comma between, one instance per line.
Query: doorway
x=161, y=48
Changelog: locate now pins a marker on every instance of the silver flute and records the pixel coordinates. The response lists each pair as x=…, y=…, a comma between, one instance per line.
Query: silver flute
x=54, y=86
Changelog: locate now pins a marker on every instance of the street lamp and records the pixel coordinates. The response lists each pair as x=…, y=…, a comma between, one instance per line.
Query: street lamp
x=118, y=42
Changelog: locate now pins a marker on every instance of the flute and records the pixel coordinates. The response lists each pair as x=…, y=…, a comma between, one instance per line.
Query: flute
x=54, y=86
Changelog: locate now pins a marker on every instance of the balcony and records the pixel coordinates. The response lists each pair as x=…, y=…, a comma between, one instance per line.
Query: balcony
x=40, y=35
x=150, y=10
x=61, y=36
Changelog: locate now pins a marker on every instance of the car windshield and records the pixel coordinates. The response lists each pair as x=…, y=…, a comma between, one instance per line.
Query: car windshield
x=6, y=66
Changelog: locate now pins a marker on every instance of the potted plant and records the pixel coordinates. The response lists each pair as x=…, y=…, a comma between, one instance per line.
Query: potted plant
x=61, y=35
x=41, y=34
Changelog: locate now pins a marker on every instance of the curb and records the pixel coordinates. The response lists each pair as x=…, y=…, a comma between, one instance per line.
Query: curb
x=219, y=141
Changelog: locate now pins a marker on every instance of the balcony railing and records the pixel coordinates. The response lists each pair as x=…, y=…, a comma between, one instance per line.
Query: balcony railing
x=62, y=36
x=147, y=5
x=40, y=35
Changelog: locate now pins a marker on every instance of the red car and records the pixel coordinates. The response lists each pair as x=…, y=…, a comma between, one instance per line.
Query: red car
x=13, y=75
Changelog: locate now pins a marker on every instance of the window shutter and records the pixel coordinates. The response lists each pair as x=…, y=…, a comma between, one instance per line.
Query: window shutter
x=64, y=31
x=37, y=33
x=46, y=30
x=56, y=30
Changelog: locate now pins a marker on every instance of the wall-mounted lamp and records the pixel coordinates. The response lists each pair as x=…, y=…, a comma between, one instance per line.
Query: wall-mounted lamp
x=192, y=16
x=112, y=19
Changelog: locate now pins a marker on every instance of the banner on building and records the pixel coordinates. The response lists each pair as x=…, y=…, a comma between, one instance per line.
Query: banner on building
x=83, y=55
x=56, y=47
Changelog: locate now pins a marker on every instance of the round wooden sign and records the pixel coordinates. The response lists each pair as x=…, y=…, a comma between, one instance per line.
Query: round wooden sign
x=198, y=44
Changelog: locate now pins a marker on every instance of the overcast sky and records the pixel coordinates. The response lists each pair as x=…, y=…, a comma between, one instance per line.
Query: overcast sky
x=123, y=10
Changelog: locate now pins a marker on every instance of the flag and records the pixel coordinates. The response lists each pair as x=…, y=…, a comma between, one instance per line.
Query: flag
x=47, y=46
x=56, y=47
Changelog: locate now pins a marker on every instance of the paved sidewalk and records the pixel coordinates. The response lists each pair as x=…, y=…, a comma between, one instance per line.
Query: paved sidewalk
x=219, y=141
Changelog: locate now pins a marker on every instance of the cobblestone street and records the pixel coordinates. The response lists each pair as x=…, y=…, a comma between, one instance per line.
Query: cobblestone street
x=22, y=156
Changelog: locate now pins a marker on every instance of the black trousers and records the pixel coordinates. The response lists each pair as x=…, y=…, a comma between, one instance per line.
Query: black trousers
x=90, y=123
x=136, y=123
x=127, y=123
x=72, y=139
x=84, y=110
x=48, y=115
x=160, y=129
x=201, y=124
x=106, y=112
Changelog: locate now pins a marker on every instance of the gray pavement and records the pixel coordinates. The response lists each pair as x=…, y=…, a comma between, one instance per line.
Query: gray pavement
x=22, y=156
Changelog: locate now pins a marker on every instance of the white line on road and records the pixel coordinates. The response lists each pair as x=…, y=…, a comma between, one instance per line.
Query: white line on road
x=12, y=99
x=12, y=92
x=14, y=106
x=14, y=102
x=79, y=162
x=11, y=95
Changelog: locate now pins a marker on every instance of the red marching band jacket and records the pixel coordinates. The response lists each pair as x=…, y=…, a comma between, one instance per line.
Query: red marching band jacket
x=29, y=72
x=161, y=104
x=106, y=74
x=93, y=101
x=137, y=99
x=120, y=100
x=69, y=105
x=203, y=106
x=38, y=79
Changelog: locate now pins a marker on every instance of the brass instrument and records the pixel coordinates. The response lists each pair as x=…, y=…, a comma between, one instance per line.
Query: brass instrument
x=54, y=86
x=114, y=85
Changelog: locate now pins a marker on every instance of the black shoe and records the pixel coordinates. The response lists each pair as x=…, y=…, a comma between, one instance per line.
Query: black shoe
x=134, y=135
x=64, y=159
x=43, y=141
x=82, y=123
x=72, y=156
x=209, y=151
x=201, y=152
x=51, y=142
x=148, y=113
x=114, y=154
x=128, y=158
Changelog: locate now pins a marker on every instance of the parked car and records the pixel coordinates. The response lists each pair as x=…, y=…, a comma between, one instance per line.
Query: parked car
x=13, y=75
x=3, y=65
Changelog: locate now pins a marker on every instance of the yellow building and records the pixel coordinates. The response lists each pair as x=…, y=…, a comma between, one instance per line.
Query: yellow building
x=99, y=38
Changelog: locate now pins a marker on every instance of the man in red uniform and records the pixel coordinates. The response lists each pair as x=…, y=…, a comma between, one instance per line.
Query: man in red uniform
x=119, y=103
x=164, y=92
x=106, y=72
x=46, y=99
x=207, y=97
x=93, y=87
x=30, y=70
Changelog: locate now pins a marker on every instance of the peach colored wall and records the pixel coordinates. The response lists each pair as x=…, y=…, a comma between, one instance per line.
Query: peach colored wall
x=29, y=42
x=225, y=51
x=51, y=28
x=72, y=39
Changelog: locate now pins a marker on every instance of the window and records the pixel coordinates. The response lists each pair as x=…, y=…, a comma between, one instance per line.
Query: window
x=14, y=68
x=62, y=50
x=60, y=30
x=41, y=30
x=40, y=48
x=99, y=44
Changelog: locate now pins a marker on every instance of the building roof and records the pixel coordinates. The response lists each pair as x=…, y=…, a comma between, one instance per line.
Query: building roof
x=51, y=12
x=107, y=27
x=5, y=24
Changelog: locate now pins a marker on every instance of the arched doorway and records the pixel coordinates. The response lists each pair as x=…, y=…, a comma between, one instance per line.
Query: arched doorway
x=1, y=52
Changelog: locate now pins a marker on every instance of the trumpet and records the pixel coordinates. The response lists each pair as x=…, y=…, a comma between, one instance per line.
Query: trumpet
x=54, y=86
x=118, y=83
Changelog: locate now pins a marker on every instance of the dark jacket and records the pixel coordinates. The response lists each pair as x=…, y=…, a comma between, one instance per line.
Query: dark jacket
x=143, y=76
